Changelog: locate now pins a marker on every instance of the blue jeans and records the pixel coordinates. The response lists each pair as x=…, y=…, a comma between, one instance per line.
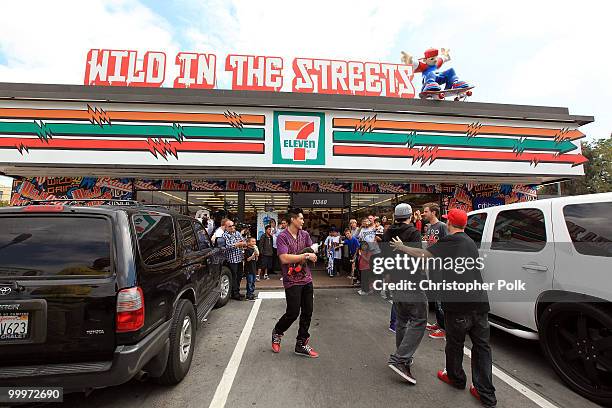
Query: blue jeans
x=441, y=77
x=250, y=288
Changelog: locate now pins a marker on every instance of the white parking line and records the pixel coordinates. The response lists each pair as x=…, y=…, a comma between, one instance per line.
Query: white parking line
x=229, y=374
x=279, y=294
x=224, y=387
x=532, y=395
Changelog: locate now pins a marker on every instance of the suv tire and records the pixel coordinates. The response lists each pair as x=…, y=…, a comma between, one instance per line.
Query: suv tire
x=225, y=286
x=577, y=340
x=182, y=343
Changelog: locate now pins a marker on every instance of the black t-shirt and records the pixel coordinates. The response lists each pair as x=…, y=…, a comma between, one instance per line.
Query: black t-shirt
x=250, y=266
x=459, y=247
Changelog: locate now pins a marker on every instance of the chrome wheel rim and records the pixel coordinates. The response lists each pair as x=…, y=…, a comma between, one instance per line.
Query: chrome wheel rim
x=225, y=286
x=185, y=341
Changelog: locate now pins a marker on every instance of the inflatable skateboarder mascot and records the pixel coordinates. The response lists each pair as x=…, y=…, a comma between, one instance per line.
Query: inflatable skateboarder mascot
x=429, y=65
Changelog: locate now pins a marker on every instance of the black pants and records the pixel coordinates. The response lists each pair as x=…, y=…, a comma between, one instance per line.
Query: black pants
x=346, y=265
x=476, y=325
x=237, y=270
x=299, y=298
x=366, y=278
x=275, y=262
x=337, y=266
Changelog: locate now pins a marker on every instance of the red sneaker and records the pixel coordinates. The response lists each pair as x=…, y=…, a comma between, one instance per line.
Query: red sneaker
x=303, y=349
x=276, y=342
x=438, y=334
x=443, y=376
x=474, y=392
x=432, y=327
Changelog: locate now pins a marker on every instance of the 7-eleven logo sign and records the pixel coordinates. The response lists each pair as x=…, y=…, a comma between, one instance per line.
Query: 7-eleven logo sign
x=299, y=138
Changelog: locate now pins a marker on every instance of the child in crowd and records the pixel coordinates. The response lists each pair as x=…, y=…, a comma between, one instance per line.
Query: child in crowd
x=364, y=268
x=250, y=266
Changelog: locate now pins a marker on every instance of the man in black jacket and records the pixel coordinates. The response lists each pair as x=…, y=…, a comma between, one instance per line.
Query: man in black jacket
x=465, y=312
x=410, y=306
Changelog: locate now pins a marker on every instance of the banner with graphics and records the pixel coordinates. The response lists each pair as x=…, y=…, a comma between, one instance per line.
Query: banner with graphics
x=78, y=188
x=470, y=197
x=263, y=219
x=466, y=196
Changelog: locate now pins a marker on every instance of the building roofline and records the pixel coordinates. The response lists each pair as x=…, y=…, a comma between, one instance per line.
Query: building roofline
x=285, y=100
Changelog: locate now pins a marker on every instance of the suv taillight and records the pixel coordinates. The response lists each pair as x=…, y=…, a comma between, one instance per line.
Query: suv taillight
x=130, y=310
x=43, y=208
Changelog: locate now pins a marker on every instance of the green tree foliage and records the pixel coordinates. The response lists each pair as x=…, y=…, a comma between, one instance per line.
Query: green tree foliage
x=597, y=171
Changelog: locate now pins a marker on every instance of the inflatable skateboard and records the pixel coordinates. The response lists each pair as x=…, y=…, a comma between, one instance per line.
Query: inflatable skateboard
x=460, y=94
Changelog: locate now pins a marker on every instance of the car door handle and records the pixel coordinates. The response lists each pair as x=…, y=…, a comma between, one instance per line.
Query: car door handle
x=535, y=267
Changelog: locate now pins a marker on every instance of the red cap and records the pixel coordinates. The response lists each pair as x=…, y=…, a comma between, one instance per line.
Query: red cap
x=456, y=217
x=431, y=52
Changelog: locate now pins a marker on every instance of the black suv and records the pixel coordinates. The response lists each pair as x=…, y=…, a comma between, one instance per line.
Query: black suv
x=91, y=296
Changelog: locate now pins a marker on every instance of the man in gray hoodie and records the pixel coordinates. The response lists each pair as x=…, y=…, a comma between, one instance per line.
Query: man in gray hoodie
x=410, y=306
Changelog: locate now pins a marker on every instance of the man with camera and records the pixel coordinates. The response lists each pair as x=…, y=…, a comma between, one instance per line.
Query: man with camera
x=234, y=245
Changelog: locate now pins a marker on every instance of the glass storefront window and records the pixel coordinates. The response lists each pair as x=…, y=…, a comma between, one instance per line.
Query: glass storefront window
x=175, y=200
x=214, y=201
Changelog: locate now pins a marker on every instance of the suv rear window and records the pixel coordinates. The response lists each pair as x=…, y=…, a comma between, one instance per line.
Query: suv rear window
x=189, y=239
x=519, y=230
x=54, y=246
x=156, y=237
x=589, y=227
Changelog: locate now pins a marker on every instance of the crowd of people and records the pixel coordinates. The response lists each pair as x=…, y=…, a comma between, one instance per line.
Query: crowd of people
x=418, y=234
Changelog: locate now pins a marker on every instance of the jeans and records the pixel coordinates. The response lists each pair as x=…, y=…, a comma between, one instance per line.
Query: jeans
x=299, y=303
x=365, y=277
x=439, y=314
x=250, y=289
x=393, y=317
x=441, y=77
x=411, y=322
x=237, y=271
x=337, y=266
x=476, y=325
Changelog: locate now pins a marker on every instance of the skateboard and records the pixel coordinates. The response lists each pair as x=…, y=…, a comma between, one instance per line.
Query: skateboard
x=460, y=94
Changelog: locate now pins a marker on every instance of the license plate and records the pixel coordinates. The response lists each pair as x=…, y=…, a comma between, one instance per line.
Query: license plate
x=14, y=326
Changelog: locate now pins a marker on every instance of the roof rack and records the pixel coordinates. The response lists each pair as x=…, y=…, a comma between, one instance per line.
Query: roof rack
x=103, y=201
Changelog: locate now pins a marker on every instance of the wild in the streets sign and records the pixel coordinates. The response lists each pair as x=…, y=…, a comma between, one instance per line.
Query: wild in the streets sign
x=250, y=72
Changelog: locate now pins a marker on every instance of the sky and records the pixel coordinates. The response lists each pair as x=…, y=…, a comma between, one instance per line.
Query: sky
x=536, y=52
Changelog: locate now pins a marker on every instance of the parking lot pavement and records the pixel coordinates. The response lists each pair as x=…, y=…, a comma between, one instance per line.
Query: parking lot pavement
x=351, y=334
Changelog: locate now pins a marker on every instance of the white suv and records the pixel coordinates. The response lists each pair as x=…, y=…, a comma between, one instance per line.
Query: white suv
x=561, y=248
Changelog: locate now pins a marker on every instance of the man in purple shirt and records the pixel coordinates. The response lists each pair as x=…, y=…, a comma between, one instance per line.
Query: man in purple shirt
x=297, y=281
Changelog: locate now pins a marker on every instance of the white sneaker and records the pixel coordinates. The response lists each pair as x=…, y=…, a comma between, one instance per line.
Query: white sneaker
x=266, y=277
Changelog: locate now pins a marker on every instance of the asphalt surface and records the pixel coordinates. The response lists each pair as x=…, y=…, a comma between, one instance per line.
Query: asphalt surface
x=351, y=334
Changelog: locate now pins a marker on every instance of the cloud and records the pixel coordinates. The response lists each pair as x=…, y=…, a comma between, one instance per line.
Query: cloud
x=361, y=30
x=519, y=52
x=47, y=41
x=550, y=53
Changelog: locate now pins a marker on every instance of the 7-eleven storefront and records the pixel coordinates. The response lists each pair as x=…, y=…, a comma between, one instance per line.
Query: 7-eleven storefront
x=245, y=152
